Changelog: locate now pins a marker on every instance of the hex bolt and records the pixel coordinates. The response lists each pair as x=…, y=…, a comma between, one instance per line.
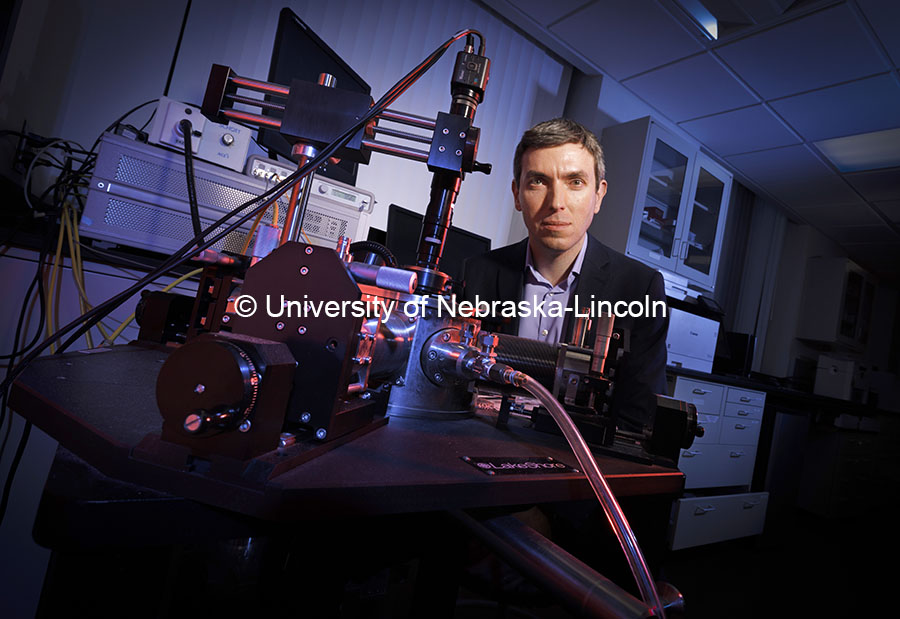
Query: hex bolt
x=305, y=417
x=321, y=433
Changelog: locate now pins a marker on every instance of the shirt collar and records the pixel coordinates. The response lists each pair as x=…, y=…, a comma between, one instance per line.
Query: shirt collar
x=535, y=276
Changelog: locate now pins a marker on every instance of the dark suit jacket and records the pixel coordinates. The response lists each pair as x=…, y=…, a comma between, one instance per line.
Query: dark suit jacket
x=609, y=276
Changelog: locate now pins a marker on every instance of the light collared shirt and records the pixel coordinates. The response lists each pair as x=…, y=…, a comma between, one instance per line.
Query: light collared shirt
x=538, y=290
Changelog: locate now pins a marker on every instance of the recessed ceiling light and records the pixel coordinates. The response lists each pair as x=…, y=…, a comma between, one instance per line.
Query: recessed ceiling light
x=701, y=16
x=865, y=151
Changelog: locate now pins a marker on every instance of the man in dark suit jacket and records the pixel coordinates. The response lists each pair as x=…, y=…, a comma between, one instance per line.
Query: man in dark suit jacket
x=558, y=186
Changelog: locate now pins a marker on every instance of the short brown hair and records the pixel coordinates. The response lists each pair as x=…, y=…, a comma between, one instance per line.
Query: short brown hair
x=557, y=132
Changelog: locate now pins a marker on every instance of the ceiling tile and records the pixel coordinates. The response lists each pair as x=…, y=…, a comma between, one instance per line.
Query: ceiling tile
x=884, y=17
x=795, y=176
x=891, y=208
x=740, y=131
x=862, y=106
x=820, y=49
x=690, y=88
x=839, y=215
x=626, y=37
x=544, y=12
x=862, y=234
x=877, y=185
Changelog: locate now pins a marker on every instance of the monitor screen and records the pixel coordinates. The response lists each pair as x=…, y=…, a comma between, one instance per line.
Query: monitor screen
x=300, y=54
x=404, y=228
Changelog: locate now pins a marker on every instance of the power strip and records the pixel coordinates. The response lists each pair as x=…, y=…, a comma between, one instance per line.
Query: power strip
x=224, y=145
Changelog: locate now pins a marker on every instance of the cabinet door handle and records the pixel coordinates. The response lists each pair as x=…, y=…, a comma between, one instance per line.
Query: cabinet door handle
x=740, y=426
x=691, y=454
x=750, y=504
x=745, y=399
x=736, y=454
x=743, y=413
x=700, y=511
x=700, y=391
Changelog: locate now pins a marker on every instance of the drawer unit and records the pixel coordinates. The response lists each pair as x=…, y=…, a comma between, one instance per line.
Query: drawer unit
x=734, y=409
x=745, y=396
x=707, y=397
x=739, y=431
x=711, y=466
x=705, y=520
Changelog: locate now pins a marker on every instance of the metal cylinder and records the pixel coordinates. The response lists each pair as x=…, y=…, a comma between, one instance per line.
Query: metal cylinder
x=535, y=358
x=398, y=280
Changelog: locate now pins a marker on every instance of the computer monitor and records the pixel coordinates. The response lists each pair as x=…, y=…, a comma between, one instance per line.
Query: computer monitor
x=404, y=228
x=300, y=54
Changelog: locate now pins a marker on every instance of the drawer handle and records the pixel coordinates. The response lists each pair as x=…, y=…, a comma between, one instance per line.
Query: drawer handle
x=740, y=426
x=700, y=391
x=736, y=454
x=750, y=504
x=700, y=511
x=743, y=413
x=691, y=454
x=745, y=399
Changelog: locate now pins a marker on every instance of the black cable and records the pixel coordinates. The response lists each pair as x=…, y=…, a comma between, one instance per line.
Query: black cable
x=187, y=10
x=13, y=467
x=374, y=248
x=186, y=129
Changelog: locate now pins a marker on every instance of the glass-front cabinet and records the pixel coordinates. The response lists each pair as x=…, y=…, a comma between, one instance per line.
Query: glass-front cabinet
x=666, y=203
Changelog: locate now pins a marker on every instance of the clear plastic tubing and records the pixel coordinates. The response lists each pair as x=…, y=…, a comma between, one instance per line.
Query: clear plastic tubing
x=610, y=505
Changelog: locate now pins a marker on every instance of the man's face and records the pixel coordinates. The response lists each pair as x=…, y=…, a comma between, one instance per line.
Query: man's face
x=558, y=195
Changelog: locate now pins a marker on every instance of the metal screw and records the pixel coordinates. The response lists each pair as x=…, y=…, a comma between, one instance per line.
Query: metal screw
x=200, y=388
x=304, y=270
x=245, y=426
x=400, y=381
x=305, y=417
x=446, y=337
x=226, y=318
x=286, y=439
x=458, y=153
x=445, y=131
x=321, y=433
x=441, y=148
x=301, y=329
x=438, y=377
x=309, y=250
x=432, y=355
x=462, y=134
x=193, y=423
x=366, y=395
x=279, y=326
x=615, y=336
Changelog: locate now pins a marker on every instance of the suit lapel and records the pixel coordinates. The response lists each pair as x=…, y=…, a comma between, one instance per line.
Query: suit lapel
x=511, y=281
x=593, y=280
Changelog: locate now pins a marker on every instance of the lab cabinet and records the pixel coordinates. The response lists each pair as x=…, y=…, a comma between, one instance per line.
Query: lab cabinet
x=837, y=302
x=666, y=202
x=718, y=467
